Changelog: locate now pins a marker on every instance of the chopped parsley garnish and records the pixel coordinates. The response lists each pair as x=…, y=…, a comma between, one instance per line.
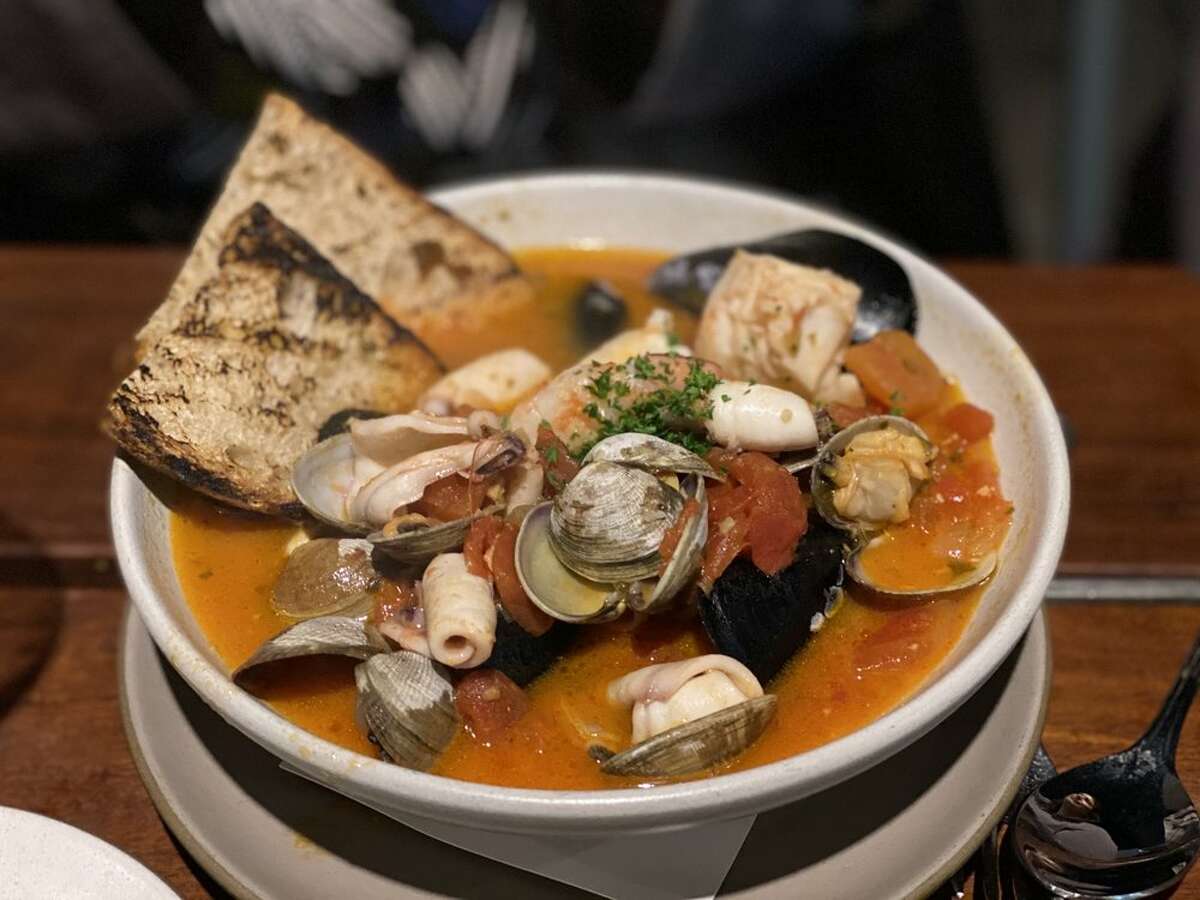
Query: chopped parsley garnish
x=550, y=454
x=664, y=411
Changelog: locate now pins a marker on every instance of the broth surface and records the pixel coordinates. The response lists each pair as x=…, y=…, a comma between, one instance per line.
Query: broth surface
x=866, y=660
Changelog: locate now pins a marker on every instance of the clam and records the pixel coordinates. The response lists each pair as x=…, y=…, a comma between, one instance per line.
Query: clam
x=406, y=703
x=695, y=745
x=652, y=453
x=762, y=620
x=887, y=301
x=326, y=576
x=608, y=522
x=876, y=496
x=414, y=538
x=907, y=458
x=965, y=575
x=554, y=588
x=323, y=479
x=326, y=636
x=685, y=561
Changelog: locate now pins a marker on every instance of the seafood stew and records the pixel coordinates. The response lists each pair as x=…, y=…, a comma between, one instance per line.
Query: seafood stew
x=704, y=545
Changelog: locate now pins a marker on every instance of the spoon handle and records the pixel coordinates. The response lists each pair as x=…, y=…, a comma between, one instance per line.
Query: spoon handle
x=1163, y=734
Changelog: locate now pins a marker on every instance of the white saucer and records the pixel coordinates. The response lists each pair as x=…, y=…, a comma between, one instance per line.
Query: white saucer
x=897, y=830
x=45, y=858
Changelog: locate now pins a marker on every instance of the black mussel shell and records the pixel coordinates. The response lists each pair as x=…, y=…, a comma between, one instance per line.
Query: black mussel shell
x=340, y=421
x=523, y=657
x=887, y=301
x=600, y=312
x=762, y=620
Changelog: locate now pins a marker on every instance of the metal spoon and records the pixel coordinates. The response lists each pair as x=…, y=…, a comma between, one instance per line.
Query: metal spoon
x=1122, y=827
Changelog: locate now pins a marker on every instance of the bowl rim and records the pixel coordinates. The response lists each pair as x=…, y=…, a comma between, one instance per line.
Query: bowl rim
x=579, y=812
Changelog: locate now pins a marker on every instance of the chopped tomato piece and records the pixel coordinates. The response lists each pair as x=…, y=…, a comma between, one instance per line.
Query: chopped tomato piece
x=453, y=497
x=512, y=594
x=759, y=510
x=670, y=540
x=844, y=415
x=489, y=702
x=557, y=464
x=895, y=371
x=392, y=598
x=969, y=422
x=490, y=551
x=480, y=539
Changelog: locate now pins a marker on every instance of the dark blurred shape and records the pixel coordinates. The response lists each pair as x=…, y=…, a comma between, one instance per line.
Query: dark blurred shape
x=871, y=107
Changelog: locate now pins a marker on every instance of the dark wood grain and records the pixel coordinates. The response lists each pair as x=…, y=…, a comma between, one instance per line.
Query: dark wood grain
x=1117, y=350
x=1115, y=347
x=63, y=751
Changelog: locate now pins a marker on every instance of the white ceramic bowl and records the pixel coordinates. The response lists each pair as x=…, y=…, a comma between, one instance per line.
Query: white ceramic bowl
x=671, y=214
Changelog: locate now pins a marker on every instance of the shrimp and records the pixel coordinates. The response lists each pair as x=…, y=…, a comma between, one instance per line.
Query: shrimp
x=572, y=404
x=735, y=414
x=771, y=320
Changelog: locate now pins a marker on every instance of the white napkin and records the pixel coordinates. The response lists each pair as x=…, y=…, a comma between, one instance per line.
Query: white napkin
x=687, y=863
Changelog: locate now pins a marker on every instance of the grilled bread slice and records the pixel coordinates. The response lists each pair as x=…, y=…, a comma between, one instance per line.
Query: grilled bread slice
x=264, y=351
x=395, y=245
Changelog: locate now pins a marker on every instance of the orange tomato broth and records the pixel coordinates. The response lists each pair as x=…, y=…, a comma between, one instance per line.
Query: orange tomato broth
x=867, y=659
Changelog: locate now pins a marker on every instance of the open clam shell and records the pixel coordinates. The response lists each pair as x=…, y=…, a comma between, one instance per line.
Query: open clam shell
x=608, y=522
x=970, y=576
x=326, y=636
x=696, y=745
x=323, y=478
x=420, y=540
x=685, y=562
x=325, y=576
x=406, y=703
x=823, y=467
x=554, y=588
x=652, y=453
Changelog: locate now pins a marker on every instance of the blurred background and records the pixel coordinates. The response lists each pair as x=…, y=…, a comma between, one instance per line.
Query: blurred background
x=1058, y=130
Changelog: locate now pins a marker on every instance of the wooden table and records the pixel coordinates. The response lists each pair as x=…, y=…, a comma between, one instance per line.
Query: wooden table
x=1117, y=347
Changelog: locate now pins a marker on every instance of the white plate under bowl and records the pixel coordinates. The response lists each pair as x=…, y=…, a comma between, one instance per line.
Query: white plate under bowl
x=44, y=859
x=895, y=831
x=672, y=214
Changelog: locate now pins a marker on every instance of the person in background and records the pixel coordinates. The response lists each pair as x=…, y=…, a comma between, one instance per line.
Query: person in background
x=118, y=117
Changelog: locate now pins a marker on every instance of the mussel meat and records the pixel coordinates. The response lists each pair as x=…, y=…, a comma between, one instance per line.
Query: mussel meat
x=406, y=703
x=763, y=620
x=887, y=302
